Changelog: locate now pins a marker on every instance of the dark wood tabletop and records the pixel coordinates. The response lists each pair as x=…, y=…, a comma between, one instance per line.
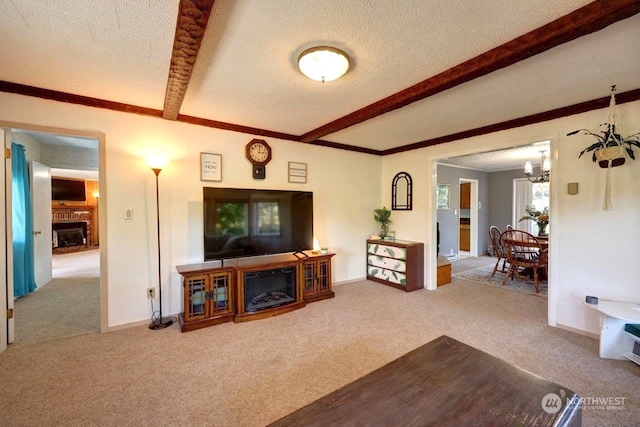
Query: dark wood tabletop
x=443, y=383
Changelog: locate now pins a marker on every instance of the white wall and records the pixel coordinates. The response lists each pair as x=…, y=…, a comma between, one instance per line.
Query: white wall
x=346, y=189
x=593, y=252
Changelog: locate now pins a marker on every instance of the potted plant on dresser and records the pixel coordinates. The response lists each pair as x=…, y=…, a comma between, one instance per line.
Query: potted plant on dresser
x=383, y=217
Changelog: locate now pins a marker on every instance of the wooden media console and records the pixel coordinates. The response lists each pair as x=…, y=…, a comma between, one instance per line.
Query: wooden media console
x=251, y=288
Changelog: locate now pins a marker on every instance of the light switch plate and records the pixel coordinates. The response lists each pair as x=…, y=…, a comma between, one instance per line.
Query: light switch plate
x=128, y=213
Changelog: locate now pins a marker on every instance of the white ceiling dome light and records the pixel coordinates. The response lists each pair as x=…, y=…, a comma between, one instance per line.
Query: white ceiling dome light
x=323, y=63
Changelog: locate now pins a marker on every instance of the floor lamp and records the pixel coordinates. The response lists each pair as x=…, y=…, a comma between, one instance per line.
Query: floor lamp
x=159, y=323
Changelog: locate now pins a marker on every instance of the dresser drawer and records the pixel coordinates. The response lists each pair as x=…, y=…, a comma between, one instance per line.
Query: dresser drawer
x=387, y=263
x=387, y=251
x=387, y=275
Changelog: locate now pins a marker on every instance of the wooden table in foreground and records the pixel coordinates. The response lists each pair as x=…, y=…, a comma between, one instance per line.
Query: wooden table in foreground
x=442, y=383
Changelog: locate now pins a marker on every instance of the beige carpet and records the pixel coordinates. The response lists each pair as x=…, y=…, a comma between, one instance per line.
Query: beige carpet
x=67, y=306
x=250, y=374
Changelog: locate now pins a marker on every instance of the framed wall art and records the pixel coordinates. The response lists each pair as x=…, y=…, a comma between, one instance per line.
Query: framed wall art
x=210, y=167
x=298, y=172
x=442, y=196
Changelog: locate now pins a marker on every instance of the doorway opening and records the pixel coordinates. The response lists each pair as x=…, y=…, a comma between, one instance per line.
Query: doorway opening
x=494, y=173
x=70, y=297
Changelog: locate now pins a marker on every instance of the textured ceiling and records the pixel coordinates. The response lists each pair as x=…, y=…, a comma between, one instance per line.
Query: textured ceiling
x=245, y=74
x=61, y=140
x=499, y=160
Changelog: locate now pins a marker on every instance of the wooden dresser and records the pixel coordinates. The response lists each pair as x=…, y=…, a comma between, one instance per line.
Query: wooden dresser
x=397, y=263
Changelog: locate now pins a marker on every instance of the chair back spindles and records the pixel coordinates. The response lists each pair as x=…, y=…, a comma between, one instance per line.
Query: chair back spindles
x=523, y=252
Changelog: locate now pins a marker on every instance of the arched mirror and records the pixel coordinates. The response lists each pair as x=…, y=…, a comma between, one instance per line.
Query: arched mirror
x=401, y=192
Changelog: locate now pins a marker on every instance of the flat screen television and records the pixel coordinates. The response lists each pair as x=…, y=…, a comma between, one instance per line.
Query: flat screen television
x=242, y=222
x=68, y=190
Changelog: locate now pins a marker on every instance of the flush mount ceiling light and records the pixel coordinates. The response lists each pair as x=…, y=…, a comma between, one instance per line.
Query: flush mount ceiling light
x=323, y=63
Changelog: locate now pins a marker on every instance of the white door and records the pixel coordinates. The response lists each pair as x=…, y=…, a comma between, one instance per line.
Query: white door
x=3, y=252
x=6, y=250
x=41, y=205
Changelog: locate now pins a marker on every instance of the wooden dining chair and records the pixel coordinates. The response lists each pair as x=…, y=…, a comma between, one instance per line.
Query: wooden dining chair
x=525, y=255
x=498, y=250
x=509, y=227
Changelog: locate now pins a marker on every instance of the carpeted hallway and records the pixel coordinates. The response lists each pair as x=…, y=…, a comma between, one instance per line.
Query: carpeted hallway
x=250, y=374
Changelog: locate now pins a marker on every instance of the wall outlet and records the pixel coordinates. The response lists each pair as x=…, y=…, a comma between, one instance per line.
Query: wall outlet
x=151, y=293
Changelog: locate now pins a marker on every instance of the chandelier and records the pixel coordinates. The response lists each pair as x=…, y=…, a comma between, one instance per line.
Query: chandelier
x=545, y=167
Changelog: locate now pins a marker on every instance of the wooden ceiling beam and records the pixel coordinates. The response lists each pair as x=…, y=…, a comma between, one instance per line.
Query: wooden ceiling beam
x=588, y=19
x=193, y=17
x=570, y=110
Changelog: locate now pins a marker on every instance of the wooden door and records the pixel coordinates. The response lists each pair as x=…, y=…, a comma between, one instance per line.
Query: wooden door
x=465, y=195
x=465, y=238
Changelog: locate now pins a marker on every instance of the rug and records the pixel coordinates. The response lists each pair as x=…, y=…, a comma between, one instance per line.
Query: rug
x=483, y=275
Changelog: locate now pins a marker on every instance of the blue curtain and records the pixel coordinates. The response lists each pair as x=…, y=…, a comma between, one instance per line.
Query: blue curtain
x=23, y=267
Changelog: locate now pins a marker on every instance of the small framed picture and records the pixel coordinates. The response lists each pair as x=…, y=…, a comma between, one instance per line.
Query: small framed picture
x=442, y=194
x=210, y=167
x=298, y=172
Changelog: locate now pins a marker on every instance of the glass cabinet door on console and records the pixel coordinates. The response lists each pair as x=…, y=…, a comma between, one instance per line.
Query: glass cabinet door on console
x=195, y=305
x=208, y=298
x=309, y=278
x=316, y=278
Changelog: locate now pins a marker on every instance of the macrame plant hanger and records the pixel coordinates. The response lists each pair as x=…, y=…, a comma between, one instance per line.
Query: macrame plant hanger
x=609, y=154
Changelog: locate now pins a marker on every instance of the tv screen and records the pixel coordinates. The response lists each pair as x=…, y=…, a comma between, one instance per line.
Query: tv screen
x=244, y=222
x=68, y=190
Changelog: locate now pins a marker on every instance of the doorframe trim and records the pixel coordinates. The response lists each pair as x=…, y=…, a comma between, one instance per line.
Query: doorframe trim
x=102, y=206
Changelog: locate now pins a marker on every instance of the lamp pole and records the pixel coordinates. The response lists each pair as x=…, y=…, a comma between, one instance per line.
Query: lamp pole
x=159, y=323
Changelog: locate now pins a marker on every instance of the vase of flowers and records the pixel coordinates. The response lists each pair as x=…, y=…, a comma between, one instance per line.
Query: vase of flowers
x=541, y=218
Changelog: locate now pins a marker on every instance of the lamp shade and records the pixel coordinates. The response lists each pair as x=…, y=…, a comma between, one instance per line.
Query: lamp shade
x=156, y=162
x=528, y=169
x=323, y=63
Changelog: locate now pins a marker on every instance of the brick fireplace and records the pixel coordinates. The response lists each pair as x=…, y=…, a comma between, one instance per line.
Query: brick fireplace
x=71, y=228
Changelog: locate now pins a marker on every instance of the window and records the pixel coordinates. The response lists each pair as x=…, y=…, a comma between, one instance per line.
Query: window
x=527, y=194
x=540, y=195
x=267, y=218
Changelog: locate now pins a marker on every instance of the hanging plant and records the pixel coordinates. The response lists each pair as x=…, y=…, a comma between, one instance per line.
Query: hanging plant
x=610, y=147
